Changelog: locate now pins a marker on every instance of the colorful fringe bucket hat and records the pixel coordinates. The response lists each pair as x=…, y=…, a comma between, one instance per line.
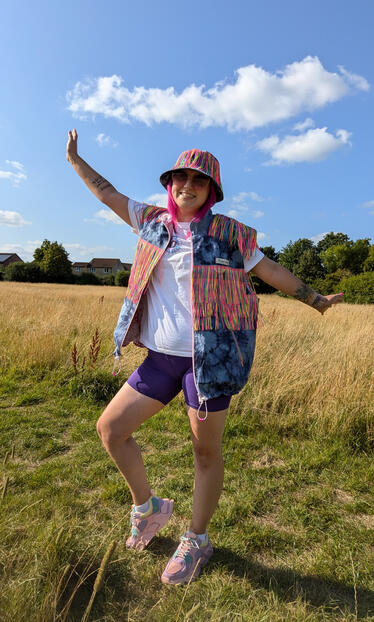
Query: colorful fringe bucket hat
x=201, y=161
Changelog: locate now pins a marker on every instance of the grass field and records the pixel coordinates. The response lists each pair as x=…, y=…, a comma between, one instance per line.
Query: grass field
x=294, y=531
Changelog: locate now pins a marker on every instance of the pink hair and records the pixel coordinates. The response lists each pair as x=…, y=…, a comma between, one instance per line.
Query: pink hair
x=173, y=207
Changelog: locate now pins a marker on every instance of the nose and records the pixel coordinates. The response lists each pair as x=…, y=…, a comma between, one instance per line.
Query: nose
x=189, y=181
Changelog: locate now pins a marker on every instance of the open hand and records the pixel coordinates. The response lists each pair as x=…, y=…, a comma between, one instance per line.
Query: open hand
x=72, y=144
x=322, y=303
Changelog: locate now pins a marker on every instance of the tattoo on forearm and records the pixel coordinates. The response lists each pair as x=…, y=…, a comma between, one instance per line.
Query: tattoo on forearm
x=318, y=302
x=303, y=292
x=101, y=183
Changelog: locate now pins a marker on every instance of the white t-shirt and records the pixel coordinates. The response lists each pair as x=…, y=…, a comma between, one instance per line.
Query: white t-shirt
x=167, y=320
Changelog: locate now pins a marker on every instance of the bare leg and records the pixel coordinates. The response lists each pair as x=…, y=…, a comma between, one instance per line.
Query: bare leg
x=123, y=415
x=207, y=442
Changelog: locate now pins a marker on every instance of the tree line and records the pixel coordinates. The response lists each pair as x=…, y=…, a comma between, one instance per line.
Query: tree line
x=333, y=264
x=51, y=264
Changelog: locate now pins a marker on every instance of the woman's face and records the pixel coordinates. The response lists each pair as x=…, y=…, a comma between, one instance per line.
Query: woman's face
x=190, y=190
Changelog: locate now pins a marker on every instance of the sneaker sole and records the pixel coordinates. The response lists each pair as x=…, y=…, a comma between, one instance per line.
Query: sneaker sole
x=158, y=522
x=183, y=581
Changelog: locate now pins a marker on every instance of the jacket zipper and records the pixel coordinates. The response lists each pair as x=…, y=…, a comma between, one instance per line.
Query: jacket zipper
x=202, y=400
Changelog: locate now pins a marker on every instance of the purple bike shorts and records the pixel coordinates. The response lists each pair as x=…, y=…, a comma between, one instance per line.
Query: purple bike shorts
x=162, y=376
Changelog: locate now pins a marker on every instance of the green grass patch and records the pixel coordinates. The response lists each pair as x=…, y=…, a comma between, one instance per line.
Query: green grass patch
x=293, y=532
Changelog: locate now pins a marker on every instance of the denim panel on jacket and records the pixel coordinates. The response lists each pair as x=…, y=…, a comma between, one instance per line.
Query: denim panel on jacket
x=224, y=304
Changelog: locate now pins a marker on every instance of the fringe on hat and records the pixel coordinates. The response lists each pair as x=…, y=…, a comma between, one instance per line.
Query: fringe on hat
x=225, y=228
x=220, y=298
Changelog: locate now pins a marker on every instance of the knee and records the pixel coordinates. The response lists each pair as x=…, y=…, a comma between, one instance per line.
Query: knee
x=101, y=428
x=206, y=457
x=104, y=432
x=108, y=434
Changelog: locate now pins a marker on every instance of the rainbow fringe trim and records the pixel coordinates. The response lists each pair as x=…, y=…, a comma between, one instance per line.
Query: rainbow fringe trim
x=220, y=298
x=152, y=212
x=225, y=228
x=146, y=257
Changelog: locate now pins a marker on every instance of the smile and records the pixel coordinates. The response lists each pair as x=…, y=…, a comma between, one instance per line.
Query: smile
x=187, y=195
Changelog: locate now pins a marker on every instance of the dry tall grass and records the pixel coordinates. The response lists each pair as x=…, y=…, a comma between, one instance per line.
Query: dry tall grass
x=308, y=367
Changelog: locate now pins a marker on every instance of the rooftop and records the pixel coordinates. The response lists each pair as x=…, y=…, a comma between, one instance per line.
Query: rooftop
x=5, y=256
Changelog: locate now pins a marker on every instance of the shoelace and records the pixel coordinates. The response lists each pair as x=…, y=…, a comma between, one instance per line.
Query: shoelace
x=184, y=546
x=134, y=516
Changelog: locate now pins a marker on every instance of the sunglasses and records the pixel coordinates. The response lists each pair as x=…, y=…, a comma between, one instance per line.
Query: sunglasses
x=199, y=180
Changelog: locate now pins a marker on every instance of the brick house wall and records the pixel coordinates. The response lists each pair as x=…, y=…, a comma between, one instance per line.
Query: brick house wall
x=100, y=267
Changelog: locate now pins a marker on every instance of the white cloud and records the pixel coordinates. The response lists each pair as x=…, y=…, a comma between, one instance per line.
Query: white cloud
x=317, y=238
x=354, y=80
x=24, y=251
x=105, y=141
x=368, y=204
x=255, y=197
x=243, y=196
x=12, y=219
x=240, y=204
x=15, y=178
x=254, y=98
x=78, y=251
x=16, y=165
x=104, y=215
x=240, y=197
x=313, y=146
x=300, y=127
x=159, y=198
x=261, y=235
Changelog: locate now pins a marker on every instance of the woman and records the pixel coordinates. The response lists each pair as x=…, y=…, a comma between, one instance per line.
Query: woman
x=189, y=301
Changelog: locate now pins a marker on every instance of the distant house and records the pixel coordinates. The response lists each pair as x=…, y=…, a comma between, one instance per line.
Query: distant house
x=100, y=267
x=8, y=258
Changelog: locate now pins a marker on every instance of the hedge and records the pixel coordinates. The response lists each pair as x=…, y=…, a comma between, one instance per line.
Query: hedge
x=122, y=278
x=87, y=278
x=108, y=279
x=29, y=272
x=359, y=288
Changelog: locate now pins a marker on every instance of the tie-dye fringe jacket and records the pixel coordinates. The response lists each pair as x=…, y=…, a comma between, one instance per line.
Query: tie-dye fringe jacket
x=224, y=303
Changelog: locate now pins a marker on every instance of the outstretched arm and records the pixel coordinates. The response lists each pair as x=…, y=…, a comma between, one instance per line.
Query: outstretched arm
x=100, y=187
x=279, y=277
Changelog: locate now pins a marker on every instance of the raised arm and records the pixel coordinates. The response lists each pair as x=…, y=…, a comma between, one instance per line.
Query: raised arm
x=100, y=187
x=279, y=277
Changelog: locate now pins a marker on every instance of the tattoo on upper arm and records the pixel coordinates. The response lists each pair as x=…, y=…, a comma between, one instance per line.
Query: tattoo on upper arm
x=101, y=183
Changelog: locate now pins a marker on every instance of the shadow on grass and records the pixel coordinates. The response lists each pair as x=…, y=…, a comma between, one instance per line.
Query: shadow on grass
x=288, y=585
x=76, y=591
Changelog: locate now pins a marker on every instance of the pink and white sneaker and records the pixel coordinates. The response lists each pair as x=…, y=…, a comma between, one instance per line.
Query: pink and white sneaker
x=145, y=526
x=188, y=560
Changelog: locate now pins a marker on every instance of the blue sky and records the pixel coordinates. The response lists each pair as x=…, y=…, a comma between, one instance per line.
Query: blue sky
x=280, y=92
